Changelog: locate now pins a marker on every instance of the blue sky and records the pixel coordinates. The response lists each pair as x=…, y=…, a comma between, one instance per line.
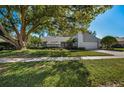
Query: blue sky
x=109, y=23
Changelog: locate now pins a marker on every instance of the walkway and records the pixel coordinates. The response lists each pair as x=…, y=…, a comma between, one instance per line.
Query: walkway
x=6, y=60
x=41, y=59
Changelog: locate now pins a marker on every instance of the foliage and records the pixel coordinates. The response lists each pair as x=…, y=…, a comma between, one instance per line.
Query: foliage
x=117, y=46
x=108, y=41
x=34, y=42
x=18, y=22
x=93, y=33
x=72, y=40
x=70, y=43
x=84, y=73
x=78, y=18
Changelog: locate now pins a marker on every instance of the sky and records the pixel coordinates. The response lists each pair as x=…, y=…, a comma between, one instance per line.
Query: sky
x=109, y=23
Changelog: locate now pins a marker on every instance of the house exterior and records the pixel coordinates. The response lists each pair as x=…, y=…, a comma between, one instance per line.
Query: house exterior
x=83, y=40
x=120, y=41
x=54, y=41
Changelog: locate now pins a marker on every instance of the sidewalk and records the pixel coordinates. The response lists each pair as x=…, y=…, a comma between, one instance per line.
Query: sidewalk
x=41, y=59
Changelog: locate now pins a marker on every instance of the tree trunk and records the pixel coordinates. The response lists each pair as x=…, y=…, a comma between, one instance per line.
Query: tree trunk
x=21, y=44
x=24, y=46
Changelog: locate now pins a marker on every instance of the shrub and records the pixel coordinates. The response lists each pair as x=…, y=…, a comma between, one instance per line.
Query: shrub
x=117, y=46
x=76, y=48
x=34, y=43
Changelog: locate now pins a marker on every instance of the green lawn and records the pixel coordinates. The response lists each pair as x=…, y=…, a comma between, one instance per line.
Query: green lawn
x=48, y=53
x=118, y=49
x=109, y=72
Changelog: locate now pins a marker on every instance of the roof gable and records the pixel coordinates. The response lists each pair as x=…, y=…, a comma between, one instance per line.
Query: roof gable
x=87, y=37
x=56, y=39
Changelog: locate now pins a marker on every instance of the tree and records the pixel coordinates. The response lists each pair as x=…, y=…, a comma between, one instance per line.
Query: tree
x=108, y=41
x=78, y=18
x=18, y=22
x=93, y=33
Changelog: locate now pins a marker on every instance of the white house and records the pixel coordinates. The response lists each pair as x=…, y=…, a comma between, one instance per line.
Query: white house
x=83, y=40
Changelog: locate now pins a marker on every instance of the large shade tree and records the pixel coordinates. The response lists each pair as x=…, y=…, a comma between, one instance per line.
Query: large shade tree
x=18, y=22
x=108, y=41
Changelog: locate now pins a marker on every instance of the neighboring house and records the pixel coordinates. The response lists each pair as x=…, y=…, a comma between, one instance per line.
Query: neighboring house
x=83, y=40
x=120, y=40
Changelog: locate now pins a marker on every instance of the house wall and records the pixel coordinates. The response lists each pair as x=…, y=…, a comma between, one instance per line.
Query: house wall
x=80, y=39
x=89, y=37
x=87, y=45
x=121, y=42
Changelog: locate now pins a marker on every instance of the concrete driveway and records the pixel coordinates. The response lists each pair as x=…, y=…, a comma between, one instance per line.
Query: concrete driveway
x=115, y=53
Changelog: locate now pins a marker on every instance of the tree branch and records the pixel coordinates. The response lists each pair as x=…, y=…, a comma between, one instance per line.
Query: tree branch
x=13, y=26
x=33, y=28
x=6, y=34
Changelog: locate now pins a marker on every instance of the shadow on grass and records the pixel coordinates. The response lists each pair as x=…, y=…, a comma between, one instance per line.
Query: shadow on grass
x=64, y=74
x=34, y=53
x=48, y=53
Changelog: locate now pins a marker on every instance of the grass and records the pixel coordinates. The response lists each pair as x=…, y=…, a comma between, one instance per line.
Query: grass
x=109, y=72
x=48, y=53
x=118, y=49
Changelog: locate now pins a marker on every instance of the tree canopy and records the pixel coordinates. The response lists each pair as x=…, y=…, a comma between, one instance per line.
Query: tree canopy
x=18, y=22
x=108, y=41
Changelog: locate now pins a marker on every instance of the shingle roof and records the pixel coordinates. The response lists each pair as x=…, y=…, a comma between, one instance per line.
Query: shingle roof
x=55, y=39
x=90, y=38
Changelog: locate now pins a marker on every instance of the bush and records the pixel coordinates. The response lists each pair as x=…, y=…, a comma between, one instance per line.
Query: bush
x=35, y=47
x=76, y=48
x=1, y=48
x=34, y=43
x=117, y=46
